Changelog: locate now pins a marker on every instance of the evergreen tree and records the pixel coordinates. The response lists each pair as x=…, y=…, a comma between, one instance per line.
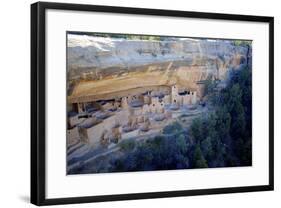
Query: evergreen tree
x=199, y=160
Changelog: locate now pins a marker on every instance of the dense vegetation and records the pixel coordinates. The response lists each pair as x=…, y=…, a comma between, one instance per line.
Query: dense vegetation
x=222, y=138
x=123, y=36
x=159, y=153
x=242, y=42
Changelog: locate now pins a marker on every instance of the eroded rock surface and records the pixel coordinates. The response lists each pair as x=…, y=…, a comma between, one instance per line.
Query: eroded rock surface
x=103, y=65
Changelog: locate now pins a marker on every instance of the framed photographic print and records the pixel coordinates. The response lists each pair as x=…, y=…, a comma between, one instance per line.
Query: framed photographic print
x=134, y=103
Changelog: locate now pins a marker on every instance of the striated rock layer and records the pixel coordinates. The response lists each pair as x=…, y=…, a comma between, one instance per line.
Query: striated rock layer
x=100, y=68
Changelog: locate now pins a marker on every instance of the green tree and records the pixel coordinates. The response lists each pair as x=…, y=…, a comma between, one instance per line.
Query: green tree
x=209, y=86
x=207, y=148
x=223, y=123
x=196, y=130
x=181, y=144
x=173, y=128
x=199, y=160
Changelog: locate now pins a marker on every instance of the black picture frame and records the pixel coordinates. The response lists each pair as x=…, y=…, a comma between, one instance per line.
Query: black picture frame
x=38, y=102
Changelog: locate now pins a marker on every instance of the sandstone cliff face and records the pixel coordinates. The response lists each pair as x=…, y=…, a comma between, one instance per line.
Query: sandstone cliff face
x=174, y=60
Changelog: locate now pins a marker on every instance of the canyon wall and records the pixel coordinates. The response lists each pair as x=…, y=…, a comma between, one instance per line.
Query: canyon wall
x=132, y=63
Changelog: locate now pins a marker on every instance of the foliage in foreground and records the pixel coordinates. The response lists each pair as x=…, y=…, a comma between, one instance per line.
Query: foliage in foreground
x=221, y=138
